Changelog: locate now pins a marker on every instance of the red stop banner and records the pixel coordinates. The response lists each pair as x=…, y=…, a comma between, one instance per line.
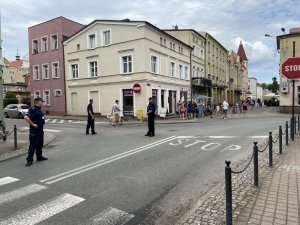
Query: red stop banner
x=291, y=68
x=137, y=88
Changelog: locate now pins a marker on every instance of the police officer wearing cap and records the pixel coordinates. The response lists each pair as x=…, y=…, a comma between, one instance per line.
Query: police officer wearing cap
x=151, y=117
x=35, y=118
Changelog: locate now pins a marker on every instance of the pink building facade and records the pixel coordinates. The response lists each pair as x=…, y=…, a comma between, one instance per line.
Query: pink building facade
x=46, y=58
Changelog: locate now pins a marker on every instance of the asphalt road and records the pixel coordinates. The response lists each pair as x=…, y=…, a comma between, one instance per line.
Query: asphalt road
x=122, y=177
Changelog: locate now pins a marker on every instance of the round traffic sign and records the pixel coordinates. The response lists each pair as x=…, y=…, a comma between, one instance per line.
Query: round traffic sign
x=291, y=68
x=137, y=88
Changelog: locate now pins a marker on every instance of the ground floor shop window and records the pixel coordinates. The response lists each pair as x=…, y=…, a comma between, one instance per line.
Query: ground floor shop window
x=162, y=98
x=128, y=102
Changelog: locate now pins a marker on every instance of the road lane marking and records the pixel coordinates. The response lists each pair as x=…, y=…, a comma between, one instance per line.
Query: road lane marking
x=217, y=137
x=20, y=192
x=111, y=216
x=7, y=180
x=258, y=137
x=194, y=143
x=43, y=211
x=61, y=121
x=54, y=121
x=102, y=162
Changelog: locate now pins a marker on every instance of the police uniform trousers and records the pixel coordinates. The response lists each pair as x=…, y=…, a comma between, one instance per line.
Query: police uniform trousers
x=151, y=125
x=36, y=142
x=90, y=124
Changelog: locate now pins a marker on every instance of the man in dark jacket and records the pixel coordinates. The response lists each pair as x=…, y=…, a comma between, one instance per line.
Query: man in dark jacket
x=91, y=120
x=151, y=117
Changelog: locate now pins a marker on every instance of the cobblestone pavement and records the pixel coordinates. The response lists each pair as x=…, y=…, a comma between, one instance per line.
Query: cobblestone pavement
x=255, y=205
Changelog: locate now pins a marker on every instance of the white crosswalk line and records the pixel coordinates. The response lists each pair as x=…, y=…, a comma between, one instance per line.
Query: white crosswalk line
x=21, y=192
x=70, y=121
x=61, y=121
x=111, y=216
x=7, y=180
x=47, y=120
x=54, y=121
x=43, y=211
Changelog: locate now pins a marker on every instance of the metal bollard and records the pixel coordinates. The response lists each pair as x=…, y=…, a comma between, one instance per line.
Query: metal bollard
x=286, y=133
x=292, y=128
x=270, y=150
x=280, y=140
x=295, y=125
x=15, y=136
x=255, y=163
x=228, y=191
x=298, y=122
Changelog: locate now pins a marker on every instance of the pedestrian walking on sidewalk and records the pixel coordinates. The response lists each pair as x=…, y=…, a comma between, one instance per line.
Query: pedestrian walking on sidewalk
x=35, y=118
x=225, y=108
x=91, y=120
x=151, y=117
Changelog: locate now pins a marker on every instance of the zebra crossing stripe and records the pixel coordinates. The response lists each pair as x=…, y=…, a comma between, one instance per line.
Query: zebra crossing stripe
x=61, y=121
x=47, y=120
x=19, y=193
x=54, y=121
x=43, y=211
x=7, y=180
x=111, y=216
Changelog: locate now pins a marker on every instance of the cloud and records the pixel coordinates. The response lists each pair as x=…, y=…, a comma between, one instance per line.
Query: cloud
x=229, y=21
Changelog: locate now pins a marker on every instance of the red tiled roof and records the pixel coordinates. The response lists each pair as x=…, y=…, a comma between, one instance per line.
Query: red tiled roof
x=17, y=63
x=241, y=52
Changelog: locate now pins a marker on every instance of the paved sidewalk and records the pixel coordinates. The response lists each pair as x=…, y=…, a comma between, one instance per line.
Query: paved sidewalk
x=8, y=150
x=278, y=199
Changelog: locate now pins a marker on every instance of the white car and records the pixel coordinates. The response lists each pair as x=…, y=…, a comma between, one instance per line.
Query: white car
x=16, y=110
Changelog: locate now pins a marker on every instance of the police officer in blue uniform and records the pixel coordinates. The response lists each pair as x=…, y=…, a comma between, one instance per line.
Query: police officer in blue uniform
x=151, y=117
x=91, y=119
x=35, y=118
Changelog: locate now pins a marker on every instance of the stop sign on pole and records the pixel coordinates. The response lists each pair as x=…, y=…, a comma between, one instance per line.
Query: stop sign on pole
x=291, y=68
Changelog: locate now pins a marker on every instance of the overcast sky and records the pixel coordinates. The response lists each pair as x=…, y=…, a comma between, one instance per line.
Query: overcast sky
x=229, y=21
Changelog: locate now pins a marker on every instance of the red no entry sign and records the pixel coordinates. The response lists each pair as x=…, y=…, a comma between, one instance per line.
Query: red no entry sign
x=137, y=88
x=291, y=68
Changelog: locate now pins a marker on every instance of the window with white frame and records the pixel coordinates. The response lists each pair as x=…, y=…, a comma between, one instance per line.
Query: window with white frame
x=57, y=92
x=55, y=70
x=194, y=69
x=180, y=71
x=45, y=71
x=36, y=75
x=36, y=94
x=93, y=69
x=106, y=35
x=154, y=64
x=127, y=64
x=172, y=69
x=74, y=71
x=54, y=41
x=44, y=44
x=186, y=72
x=46, y=97
x=35, y=46
x=92, y=41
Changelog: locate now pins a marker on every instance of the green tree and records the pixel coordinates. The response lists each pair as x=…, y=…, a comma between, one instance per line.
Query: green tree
x=10, y=98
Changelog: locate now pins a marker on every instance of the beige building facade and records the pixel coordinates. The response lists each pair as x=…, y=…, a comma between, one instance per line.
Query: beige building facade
x=15, y=77
x=216, y=63
x=201, y=85
x=104, y=60
x=288, y=47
